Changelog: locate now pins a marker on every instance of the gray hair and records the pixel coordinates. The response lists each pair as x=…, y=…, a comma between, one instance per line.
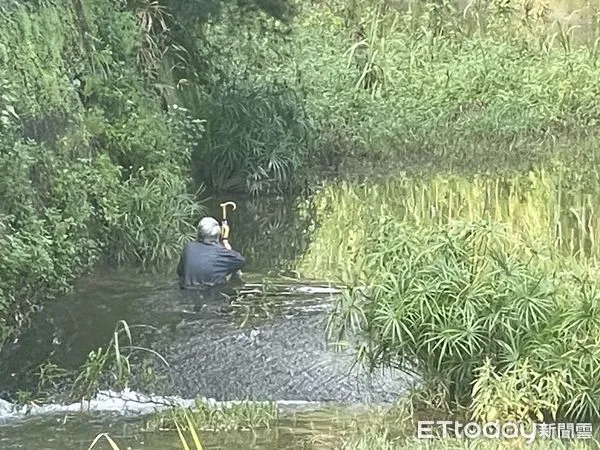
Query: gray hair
x=209, y=230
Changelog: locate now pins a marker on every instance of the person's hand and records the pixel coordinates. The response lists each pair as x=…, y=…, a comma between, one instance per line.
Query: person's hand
x=225, y=231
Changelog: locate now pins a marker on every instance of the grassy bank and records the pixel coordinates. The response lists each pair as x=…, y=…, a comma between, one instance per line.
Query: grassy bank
x=485, y=287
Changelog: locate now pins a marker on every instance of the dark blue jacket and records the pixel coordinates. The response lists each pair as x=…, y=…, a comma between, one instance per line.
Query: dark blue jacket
x=207, y=264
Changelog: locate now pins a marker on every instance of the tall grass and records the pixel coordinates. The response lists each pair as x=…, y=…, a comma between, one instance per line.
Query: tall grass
x=258, y=139
x=553, y=207
x=204, y=417
x=449, y=301
x=192, y=431
x=486, y=288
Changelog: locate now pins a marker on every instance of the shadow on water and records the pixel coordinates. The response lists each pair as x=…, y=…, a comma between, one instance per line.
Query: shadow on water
x=265, y=343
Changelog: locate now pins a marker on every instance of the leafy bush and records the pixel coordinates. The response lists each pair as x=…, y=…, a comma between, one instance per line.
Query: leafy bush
x=86, y=170
x=152, y=219
x=257, y=139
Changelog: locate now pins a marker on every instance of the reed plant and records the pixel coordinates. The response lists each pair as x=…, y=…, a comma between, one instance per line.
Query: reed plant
x=113, y=366
x=372, y=429
x=258, y=139
x=188, y=422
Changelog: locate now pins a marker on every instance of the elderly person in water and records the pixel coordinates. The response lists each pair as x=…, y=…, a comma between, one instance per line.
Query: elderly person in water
x=210, y=260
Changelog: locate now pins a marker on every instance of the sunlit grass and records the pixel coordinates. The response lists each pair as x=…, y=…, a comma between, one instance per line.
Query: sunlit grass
x=544, y=206
x=485, y=287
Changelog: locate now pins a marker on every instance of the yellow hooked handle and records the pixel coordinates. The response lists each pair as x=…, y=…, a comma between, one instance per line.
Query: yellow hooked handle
x=224, y=206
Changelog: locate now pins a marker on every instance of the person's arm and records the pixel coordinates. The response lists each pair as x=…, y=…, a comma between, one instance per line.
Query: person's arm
x=225, y=236
x=180, y=268
x=233, y=260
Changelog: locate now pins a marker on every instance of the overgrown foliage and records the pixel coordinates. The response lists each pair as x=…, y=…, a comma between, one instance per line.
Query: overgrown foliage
x=500, y=319
x=470, y=304
x=405, y=84
x=257, y=140
x=90, y=165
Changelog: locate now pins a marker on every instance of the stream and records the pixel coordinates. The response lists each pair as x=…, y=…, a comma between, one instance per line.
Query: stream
x=264, y=343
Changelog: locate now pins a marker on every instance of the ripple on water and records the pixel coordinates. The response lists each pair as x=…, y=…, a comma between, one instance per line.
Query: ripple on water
x=265, y=344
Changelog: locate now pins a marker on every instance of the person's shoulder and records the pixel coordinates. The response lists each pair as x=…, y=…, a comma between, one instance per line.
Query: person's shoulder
x=192, y=245
x=235, y=255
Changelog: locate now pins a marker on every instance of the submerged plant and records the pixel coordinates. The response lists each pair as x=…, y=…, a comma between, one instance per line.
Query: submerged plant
x=243, y=415
x=180, y=426
x=97, y=439
x=191, y=427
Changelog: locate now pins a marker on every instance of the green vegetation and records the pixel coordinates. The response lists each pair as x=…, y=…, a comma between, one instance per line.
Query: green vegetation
x=86, y=172
x=411, y=82
x=107, y=111
x=206, y=417
x=554, y=207
x=488, y=289
x=115, y=116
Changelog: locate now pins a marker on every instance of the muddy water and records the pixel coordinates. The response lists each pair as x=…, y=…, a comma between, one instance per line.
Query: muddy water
x=262, y=346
